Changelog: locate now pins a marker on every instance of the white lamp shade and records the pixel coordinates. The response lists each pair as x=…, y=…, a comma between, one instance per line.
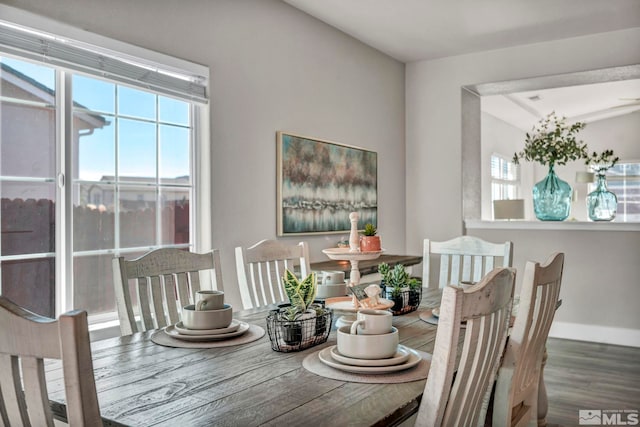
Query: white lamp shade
x=508, y=209
x=585, y=177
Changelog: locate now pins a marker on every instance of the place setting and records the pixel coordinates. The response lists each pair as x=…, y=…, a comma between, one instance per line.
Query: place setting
x=368, y=351
x=206, y=324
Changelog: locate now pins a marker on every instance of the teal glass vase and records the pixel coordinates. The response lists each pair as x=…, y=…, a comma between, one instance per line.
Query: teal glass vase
x=602, y=204
x=552, y=198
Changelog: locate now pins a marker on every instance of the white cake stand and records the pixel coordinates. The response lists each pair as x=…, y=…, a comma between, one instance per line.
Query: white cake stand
x=354, y=256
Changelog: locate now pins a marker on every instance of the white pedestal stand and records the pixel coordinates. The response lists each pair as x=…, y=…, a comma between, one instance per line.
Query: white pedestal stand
x=354, y=256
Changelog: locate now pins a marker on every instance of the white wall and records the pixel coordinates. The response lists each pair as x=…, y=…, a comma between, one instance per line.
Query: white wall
x=272, y=68
x=434, y=193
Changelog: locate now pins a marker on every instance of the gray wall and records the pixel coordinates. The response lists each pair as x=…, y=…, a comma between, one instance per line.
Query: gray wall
x=602, y=268
x=272, y=68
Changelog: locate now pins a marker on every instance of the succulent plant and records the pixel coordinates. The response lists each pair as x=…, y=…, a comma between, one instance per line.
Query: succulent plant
x=301, y=293
x=397, y=278
x=369, y=230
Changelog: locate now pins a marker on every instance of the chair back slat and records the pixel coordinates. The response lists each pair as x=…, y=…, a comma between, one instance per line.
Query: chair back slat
x=26, y=339
x=166, y=280
x=13, y=403
x=144, y=303
x=486, y=309
x=185, y=296
x=35, y=391
x=194, y=280
x=519, y=375
x=261, y=267
x=171, y=298
x=157, y=295
x=465, y=258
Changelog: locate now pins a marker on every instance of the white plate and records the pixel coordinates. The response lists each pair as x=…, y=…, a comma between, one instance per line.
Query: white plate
x=401, y=356
x=233, y=326
x=325, y=357
x=346, y=304
x=172, y=332
x=346, y=254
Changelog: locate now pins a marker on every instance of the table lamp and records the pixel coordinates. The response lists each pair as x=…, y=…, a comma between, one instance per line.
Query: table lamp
x=508, y=209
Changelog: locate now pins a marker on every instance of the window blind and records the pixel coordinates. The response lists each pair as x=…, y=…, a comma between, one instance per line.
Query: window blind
x=94, y=60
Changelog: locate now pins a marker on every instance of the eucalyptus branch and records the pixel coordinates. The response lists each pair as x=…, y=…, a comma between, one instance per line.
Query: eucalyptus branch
x=553, y=142
x=602, y=162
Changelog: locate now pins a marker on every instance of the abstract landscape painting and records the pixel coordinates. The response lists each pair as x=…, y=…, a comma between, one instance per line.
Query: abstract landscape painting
x=320, y=183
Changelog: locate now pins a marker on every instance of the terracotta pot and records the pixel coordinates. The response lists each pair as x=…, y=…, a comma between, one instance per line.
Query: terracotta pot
x=370, y=243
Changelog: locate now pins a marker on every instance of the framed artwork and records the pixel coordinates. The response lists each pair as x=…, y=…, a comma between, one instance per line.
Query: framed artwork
x=321, y=182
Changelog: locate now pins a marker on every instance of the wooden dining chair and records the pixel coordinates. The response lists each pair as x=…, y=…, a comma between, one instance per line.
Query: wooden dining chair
x=457, y=394
x=25, y=340
x=261, y=267
x=516, y=394
x=165, y=280
x=464, y=259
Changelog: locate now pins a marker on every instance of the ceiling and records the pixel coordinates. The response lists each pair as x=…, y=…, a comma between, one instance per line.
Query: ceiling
x=415, y=30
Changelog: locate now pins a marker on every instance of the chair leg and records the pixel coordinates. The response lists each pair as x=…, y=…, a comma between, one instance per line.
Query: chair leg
x=543, y=404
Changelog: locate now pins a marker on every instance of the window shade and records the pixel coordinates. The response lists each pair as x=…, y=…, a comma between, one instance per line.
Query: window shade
x=90, y=59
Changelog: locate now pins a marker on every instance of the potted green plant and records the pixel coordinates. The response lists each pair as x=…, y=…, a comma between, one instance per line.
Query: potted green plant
x=398, y=286
x=369, y=242
x=301, y=323
x=552, y=142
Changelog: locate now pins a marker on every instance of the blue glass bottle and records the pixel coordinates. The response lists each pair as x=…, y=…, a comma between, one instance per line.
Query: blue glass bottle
x=552, y=198
x=602, y=204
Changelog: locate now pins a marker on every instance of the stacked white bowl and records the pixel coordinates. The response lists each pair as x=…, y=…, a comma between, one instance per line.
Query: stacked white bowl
x=209, y=311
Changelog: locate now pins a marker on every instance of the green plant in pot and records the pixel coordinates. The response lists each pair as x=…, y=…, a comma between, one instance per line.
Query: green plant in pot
x=369, y=242
x=552, y=142
x=296, y=317
x=401, y=288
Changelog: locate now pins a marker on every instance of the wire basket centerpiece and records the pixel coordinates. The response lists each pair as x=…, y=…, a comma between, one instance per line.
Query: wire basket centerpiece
x=303, y=323
x=399, y=287
x=307, y=330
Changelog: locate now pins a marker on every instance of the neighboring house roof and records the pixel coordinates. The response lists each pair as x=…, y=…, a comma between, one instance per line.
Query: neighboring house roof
x=38, y=89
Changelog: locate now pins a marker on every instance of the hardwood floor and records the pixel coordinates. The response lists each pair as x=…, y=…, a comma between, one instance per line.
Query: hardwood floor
x=581, y=375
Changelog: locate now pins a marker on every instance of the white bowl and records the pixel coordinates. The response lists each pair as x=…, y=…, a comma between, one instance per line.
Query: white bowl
x=330, y=291
x=367, y=346
x=206, y=319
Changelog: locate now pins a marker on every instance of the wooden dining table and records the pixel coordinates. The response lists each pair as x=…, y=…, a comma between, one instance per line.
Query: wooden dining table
x=140, y=383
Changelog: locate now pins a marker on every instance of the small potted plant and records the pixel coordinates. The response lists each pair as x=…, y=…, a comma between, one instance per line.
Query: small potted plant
x=302, y=323
x=369, y=242
x=399, y=287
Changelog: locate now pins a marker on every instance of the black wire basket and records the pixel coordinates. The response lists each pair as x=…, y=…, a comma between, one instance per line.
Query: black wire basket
x=403, y=301
x=296, y=335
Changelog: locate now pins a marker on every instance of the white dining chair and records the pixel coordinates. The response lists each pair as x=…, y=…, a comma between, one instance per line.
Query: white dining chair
x=464, y=259
x=165, y=280
x=456, y=394
x=260, y=269
x=26, y=339
x=516, y=395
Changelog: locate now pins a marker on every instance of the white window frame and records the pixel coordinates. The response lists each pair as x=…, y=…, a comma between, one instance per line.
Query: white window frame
x=502, y=182
x=624, y=179
x=200, y=217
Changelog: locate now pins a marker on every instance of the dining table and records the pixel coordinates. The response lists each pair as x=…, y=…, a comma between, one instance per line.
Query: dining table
x=141, y=383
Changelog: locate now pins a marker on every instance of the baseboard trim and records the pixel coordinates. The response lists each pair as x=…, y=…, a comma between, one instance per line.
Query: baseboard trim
x=596, y=333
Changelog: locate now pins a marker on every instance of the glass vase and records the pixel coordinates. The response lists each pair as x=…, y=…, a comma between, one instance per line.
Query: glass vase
x=552, y=198
x=602, y=204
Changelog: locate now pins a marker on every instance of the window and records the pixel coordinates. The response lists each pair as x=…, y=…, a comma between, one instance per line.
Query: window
x=624, y=180
x=505, y=178
x=90, y=168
